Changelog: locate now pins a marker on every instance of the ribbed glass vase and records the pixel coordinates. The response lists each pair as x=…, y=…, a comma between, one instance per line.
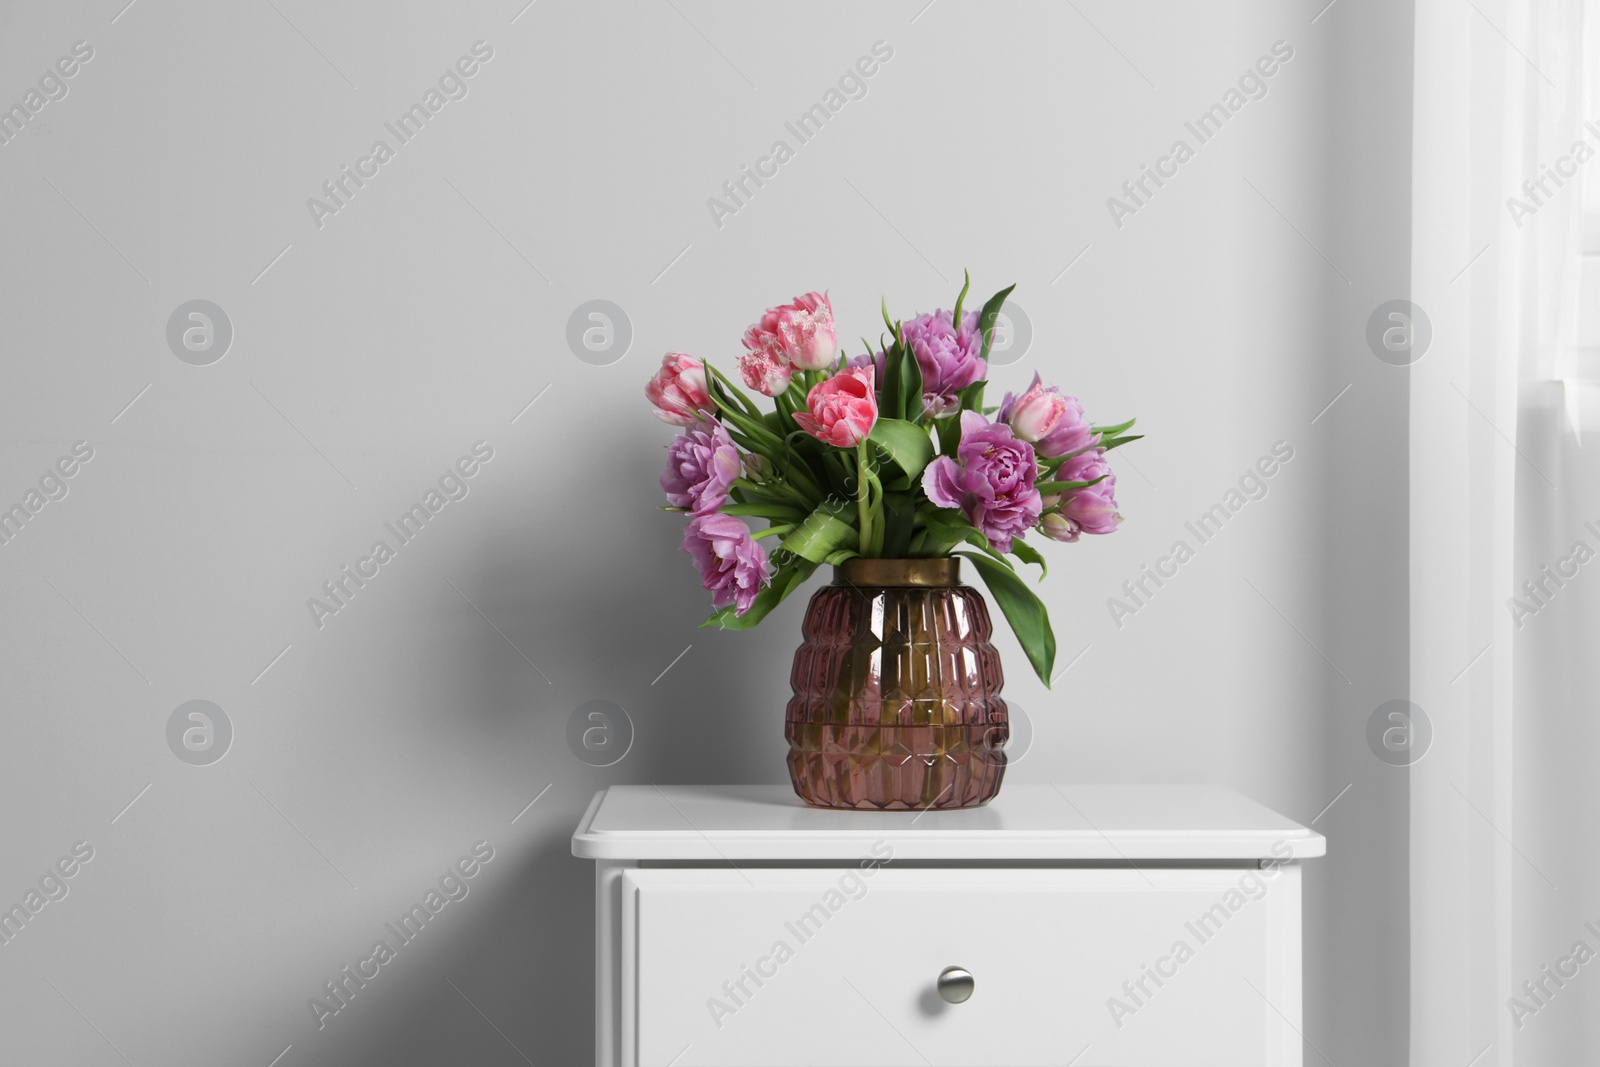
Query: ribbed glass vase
x=896, y=703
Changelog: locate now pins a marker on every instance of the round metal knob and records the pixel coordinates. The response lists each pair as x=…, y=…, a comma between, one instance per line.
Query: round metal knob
x=956, y=984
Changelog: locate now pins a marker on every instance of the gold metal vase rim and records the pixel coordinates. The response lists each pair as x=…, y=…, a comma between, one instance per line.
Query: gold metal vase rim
x=935, y=572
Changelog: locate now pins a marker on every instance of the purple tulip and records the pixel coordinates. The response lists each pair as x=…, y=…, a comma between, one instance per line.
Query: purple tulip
x=991, y=480
x=875, y=360
x=1089, y=510
x=950, y=358
x=732, y=565
x=702, y=463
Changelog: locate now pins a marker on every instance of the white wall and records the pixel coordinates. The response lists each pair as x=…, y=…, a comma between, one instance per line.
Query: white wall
x=426, y=314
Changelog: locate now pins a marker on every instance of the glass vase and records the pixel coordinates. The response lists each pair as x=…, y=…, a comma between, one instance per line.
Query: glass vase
x=896, y=703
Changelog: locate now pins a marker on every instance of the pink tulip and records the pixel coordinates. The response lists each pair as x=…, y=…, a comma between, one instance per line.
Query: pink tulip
x=765, y=371
x=800, y=334
x=1047, y=419
x=842, y=409
x=678, y=390
x=1036, y=412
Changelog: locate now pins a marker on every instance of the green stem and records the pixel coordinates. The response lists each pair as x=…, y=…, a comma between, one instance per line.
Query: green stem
x=875, y=507
x=863, y=509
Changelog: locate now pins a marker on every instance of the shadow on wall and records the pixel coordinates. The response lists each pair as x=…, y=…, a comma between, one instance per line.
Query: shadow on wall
x=600, y=623
x=525, y=960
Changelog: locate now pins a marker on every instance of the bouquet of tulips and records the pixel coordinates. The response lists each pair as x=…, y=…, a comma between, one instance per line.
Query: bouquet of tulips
x=889, y=454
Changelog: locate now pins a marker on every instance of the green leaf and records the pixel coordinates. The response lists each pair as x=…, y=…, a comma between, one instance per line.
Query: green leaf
x=906, y=444
x=840, y=475
x=752, y=427
x=899, y=519
x=744, y=492
x=966, y=283
x=1047, y=488
x=944, y=529
x=1028, y=554
x=774, y=512
x=792, y=465
x=1112, y=431
x=948, y=527
x=781, y=421
x=972, y=397
x=949, y=427
x=1024, y=611
x=713, y=375
x=1118, y=442
x=986, y=317
x=742, y=439
x=910, y=383
x=772, y=531
x=822, y=532
x=875, y=509
x=891, y=389
x=785, y=580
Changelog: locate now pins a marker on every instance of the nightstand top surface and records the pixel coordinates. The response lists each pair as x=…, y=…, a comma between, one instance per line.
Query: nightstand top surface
x=1071, y=823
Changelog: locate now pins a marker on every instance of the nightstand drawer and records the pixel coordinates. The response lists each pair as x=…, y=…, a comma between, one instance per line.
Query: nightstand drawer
x=838, y=967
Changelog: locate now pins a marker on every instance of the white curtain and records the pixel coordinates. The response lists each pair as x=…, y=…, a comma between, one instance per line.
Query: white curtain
x=1504, y=827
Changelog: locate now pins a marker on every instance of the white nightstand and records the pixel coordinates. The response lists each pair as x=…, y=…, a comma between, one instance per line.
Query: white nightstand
x=1103, y=926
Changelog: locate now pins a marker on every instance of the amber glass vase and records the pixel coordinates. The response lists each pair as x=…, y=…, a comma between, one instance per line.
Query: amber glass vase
x=896, y=702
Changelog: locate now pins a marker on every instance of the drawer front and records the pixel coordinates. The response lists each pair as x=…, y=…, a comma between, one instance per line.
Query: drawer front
x=830, y=967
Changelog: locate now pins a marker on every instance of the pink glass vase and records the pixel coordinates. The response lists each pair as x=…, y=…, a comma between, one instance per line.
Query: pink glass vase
x=896, y=702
